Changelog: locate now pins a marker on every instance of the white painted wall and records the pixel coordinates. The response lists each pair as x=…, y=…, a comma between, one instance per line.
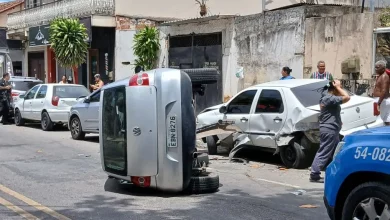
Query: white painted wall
x=124, y=53
x=229, y=61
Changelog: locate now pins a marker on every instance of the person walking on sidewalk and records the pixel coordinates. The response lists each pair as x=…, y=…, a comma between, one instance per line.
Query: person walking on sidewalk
x=321, y=73
x=333, y=96
x=381, y=91
x=5, y=97
x=286, y=71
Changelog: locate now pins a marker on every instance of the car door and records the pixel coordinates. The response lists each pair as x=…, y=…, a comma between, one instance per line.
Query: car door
x=38, y=102
x=239, y=108
x=27, y=102
x=91, y=114
x=268, y=117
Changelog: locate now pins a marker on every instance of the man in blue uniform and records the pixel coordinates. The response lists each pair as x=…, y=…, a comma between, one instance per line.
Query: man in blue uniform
x=330, y=125
x=5, y=97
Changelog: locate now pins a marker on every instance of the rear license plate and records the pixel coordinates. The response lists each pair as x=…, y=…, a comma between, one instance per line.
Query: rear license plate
x=171, y=131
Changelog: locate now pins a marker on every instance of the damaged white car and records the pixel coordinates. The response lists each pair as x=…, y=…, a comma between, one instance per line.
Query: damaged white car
x=281, y=116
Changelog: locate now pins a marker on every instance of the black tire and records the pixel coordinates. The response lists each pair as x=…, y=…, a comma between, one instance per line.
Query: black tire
x=203, y=76
x=211, y=142
x=19, y=121
x=76, y=129
x=364, y=192
x=204, y=183
x=293, y=155
x=46, y=123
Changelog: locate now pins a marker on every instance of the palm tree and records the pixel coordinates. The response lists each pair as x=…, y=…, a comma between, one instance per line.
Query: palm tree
x=146, y=46
x=68, y=41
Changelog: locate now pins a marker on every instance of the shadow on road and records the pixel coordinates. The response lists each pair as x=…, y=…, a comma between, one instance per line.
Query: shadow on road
x=90, y=138
x=133, y=203
x=57, y=128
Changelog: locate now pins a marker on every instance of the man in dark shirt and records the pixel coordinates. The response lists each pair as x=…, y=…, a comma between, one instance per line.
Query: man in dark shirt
x=330, y=125
x=5, y=97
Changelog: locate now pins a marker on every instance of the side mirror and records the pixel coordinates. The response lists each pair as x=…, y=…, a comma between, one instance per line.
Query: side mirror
x=21, y=96
x=223, y=109
x=87, y=99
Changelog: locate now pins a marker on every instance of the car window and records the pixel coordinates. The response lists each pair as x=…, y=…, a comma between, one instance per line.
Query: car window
x=32, y=92
x=95, y=97
x=242, y=103
x=310, y=94
x=65, y=91
x=42, y=92
x=270, y=101
x=23, y=85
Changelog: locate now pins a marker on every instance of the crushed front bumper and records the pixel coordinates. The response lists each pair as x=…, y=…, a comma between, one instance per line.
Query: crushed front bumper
x=329, y=209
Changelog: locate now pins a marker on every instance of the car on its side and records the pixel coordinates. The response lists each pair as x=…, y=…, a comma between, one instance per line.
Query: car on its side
x=48, y=104
x=357, y=181
x=20, y=85
x=282, y=117
x=84, y=116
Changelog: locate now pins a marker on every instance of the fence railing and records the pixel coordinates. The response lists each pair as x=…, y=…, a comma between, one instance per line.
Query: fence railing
x=65, y=8
x=362, y=87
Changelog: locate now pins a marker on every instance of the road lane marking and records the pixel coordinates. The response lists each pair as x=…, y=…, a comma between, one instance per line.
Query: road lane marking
x=17, y=210
x=34, y=204
x=278, y=183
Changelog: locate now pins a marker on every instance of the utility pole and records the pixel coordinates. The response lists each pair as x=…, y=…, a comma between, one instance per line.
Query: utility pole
x=263, y=5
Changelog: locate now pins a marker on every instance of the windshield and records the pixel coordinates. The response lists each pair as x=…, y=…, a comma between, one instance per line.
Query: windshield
x=70, y=91
x=310, y=94
x=23, y=85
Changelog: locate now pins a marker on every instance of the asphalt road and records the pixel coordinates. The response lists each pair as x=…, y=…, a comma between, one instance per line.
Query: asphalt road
x=47, y=175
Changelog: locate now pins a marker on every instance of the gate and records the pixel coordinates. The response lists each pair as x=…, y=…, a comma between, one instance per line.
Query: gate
x=199, y=51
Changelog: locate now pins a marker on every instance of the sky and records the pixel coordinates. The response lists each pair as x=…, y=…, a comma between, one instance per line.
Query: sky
x=5, y=0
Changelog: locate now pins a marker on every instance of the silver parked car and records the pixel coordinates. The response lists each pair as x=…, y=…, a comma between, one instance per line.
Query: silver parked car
x=84, y=116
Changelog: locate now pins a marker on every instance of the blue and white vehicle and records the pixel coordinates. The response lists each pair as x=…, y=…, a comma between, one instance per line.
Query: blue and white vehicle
x=357, y=181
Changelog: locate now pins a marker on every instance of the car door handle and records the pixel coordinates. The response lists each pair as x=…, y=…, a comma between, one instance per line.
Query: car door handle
x=244, y=119
x=277, y=119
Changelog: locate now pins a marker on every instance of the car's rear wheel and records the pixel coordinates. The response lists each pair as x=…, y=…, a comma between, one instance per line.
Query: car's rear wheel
x=368, y=201
x=46, y=123
x=19, y=121
x=212, y=147
x=204, y=183
x=294, y=155
x=76, y=129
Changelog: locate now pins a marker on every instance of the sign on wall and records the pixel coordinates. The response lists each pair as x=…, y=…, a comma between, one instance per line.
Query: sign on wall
x=39, y=36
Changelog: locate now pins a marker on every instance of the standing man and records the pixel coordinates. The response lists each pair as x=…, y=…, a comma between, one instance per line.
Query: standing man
x=381, y=91
x=5, y=97
x=321, y=73
x=330, y=125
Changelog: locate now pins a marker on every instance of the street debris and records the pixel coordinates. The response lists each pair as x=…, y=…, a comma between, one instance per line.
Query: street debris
x=256, y=166
x=282, y=168
x=39, y=151
x=299, y=192
x=308, y=206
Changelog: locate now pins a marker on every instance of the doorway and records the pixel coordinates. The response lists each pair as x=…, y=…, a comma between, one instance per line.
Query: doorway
x=36, y=65
x=93, y=65
x=199, y=51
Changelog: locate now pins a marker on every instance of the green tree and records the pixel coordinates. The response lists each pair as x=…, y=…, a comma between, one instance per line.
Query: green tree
x=146, y=47
x=68, y=41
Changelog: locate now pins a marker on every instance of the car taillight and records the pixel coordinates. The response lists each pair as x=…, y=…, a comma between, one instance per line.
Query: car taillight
x=376, y=109
x=139, y=80
x=141, y=181
x=54, y=100
x=15, y=94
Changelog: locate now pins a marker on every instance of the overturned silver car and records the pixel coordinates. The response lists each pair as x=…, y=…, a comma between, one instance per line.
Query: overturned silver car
x=281, y=116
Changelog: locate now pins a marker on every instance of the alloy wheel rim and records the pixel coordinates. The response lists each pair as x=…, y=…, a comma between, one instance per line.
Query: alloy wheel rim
x=44, y=121
x=75, y=128
x=17, y=119
x=371, y=209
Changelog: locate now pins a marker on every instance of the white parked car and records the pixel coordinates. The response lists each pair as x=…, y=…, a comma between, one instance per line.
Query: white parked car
x=282, y=116
x=48, y=103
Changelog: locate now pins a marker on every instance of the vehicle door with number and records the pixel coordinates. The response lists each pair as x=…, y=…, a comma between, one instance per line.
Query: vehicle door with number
x=238, y=109
x=268, y=117
x=38, y=102
x=91, y=114
x=27, y=102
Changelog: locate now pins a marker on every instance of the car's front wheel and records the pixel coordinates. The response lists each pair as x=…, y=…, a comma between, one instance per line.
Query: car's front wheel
x=212, y=147
x=19, y=121
x=76, y=129
x=368, y=201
